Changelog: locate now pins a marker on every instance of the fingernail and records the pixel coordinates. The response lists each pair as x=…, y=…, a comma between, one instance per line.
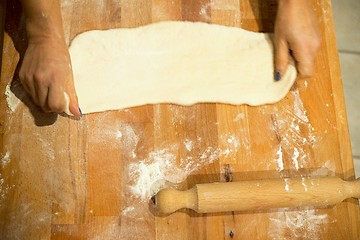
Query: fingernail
x=153, y=200
x=277, y=76
x=80, y=112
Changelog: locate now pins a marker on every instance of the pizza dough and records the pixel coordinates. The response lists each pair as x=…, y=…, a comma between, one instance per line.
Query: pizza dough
x=175, y=62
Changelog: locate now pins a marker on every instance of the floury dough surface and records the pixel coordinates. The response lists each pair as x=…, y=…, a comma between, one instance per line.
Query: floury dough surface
x=175, y=62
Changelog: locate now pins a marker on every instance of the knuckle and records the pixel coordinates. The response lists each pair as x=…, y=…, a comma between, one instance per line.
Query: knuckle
x=21, y=74
x=55, y=103
x=317, y=44
x=39, y=76
x=44, y=79
x=24, y=76
x=313, y=44
x=55, y=108
x=306, y=70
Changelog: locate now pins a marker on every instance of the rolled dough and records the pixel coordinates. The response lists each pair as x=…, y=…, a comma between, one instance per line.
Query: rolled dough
x=175, y=62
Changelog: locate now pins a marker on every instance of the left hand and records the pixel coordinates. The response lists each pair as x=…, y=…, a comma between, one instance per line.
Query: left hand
x=46, y=75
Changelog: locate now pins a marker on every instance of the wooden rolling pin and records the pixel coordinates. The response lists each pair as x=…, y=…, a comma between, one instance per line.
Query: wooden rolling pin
x=258, y=195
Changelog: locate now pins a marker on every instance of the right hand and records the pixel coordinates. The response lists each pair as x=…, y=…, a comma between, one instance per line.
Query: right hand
x=296, y=30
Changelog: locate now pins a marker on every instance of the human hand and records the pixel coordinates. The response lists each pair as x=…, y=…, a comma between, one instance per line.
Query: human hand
x=46, y=75
x=296, y=31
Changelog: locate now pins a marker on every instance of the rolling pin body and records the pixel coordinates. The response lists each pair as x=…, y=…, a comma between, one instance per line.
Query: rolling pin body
x=258, y=195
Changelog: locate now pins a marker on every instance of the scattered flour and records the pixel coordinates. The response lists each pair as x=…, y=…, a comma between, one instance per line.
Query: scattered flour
x=206, y=8
x=295, y=133
x=188, y=145
x=239, y=117
x=162, y=167
x=303, y=183
x=328, y=169
x=296, y=224
x=287, y=184
x=299, y=108
x=230, y=144
x=12, y=100
x=233, y=140
x=5, y=160
x=127, y=210
x=1, y=182
x=279, y=161
x=295, y=158
x=130, y=138
x=297, y=137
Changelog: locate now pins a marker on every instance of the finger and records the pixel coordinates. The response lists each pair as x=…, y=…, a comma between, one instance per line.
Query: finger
x=42, y=92
x=281, y=58
x=305, y=62
x=306, y=69
x=30, y=89
x=56, y=99
x=73, y=104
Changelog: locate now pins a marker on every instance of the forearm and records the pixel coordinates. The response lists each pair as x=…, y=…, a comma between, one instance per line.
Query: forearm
x=46, y=67
x=43, y=19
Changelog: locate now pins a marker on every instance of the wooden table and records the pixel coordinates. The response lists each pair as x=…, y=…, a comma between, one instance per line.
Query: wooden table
x=91, y=179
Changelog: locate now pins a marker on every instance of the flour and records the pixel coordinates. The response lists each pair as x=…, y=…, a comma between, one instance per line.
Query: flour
x=188, y=145
x=304, y=224
x=158, y=166
x=1, y=182
x=303, y=183
x=328, y=169
x=239, y=117
x=130, y=138
x=162, y=167
x=279, y=161
x=127, y=210
x=104, y=129
x=296, y=136
x=230, y=143
x=295, y=132
x=295, y=158
x=287, y=184
x=5, y=160
x=233, y=140
x=11, y=100
x=47, y=148
x=203, y=12
x=299, y=108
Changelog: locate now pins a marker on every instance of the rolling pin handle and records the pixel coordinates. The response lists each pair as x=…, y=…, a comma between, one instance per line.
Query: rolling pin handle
x=355, y=189
x=169, y=200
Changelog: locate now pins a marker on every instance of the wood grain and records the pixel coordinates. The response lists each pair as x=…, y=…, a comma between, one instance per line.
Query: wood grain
x=67, y=179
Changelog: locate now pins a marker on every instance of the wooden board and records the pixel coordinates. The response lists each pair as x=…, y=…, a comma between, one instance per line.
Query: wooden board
x=91, y=179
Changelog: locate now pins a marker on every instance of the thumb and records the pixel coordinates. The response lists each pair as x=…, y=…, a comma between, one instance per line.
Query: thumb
x=72, y=102
x=281, y=58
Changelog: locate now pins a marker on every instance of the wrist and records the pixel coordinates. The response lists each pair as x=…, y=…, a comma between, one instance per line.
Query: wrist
x=293, y=2
x=43, y=28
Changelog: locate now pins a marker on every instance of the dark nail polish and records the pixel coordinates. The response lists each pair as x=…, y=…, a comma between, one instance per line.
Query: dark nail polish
x=80, y=112
x=153, y=200
x=277, y=76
